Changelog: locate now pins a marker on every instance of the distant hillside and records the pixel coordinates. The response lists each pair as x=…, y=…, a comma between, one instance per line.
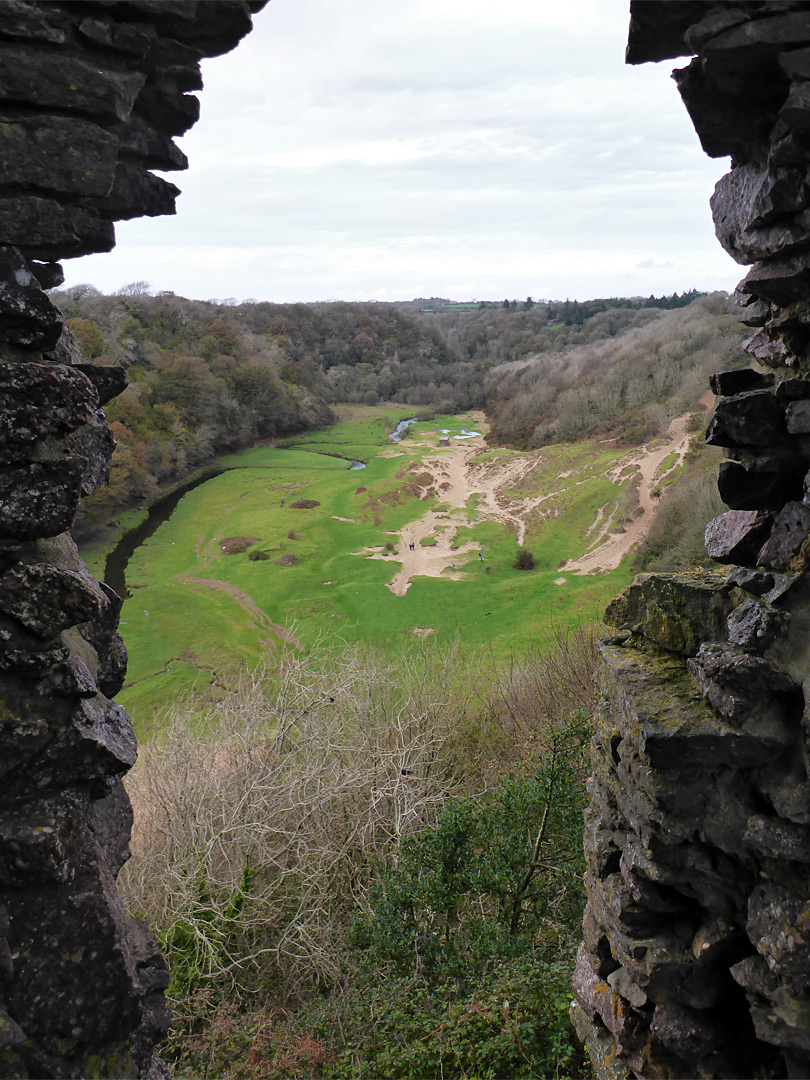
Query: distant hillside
x=208, y=377
x=625, y=375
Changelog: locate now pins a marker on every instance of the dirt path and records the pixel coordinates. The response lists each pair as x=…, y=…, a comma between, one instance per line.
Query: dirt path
x=457, y=476
x=262, y=622
x=608, y=549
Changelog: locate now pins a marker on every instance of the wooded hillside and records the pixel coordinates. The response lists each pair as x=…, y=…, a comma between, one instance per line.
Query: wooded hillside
x=208, y=377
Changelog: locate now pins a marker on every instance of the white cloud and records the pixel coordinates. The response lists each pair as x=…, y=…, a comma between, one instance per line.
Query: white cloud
x=430, y=146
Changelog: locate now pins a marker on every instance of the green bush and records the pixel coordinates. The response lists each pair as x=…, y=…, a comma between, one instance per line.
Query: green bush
x=524, y=560
x=468, y=937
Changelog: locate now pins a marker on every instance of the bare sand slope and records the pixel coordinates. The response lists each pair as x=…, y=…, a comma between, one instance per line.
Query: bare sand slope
x=456, y=476
x=608, y=549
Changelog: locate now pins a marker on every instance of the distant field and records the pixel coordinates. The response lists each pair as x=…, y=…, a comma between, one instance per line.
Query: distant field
x=199, y=615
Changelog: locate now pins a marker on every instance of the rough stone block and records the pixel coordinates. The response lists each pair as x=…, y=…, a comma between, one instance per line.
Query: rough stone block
x=752, y=973
x=718, y=940
x=55, y=936
x=141, y=143
x=39, y=401
x=685, y=1032
x=658, y=707
x=47, y=600
x=43, y=842
x=24, y=734
x=795, y=113
x=108, y=739
x=757, y=212
x=92, y=445
x=66, y=350
x=795, y=63
x=25, y=653
x=27, y=317
x=771, y=1028
x=779, y=281
x=767, y=348
x=39, y=499
x=739, y=380
x=66, y=82
x=58, y=155
x=779, y=925
x=109, y=381
x=797, y=417
x=101, y=633
x=757, y=582
x=754, y=39
x=721, y=126
x=172, y=114
x=787, y=548
x=29, y=21
x=755, y=313
x=753, y=418
x=674, y=611
x=754, y=625
x=793, y=390
x=736, y=536
x=46, y=229
x=110, y=821
x=50, y=275
x=130, y=38
x=785, y=783
x=70, y=679
x=741, y=489
x=748, y=690
x=601, y=1048
x=137, y=193
x=778, y=839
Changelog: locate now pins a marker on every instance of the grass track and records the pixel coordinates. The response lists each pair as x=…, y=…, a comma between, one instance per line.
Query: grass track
x=182, y=633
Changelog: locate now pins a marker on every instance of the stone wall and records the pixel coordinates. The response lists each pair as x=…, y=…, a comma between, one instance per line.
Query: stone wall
x=695, y=960
x=91, y=95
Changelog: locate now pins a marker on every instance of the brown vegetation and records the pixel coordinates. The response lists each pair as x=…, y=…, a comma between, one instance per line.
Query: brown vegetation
x=628, y=387
x=263, y=822
x=235, y=545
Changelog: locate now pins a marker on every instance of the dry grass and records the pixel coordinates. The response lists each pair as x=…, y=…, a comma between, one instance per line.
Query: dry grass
x=262, y=821
x=258, y=823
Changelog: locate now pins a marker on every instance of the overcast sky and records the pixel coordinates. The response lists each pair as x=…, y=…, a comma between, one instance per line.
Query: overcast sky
x=370, y=149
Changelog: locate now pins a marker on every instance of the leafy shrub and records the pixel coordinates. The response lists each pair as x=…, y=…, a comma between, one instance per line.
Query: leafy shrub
x=524, y=560
x=336, y=897
x=463, y=958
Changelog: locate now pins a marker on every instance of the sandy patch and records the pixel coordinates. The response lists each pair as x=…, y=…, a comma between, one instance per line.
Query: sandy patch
x=454, y=471
x=337, y=517
x=423, y=631
x=560, y=580
x=646, y=461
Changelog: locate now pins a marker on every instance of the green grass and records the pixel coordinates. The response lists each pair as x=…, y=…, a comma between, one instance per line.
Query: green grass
x=95, y=552
x=183, y=633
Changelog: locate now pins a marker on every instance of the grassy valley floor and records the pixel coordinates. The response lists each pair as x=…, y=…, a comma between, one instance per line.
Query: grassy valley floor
x=290, y=547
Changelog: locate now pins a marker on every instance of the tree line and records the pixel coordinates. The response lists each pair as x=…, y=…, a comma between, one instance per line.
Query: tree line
x=209, y=377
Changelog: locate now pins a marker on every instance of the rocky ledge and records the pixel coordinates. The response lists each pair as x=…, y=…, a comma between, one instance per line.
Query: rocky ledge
x=695, y=959
x=91, y=94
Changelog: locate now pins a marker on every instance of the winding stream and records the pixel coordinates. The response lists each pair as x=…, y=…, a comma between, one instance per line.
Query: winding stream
x=161, y=510
x=400, y=429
